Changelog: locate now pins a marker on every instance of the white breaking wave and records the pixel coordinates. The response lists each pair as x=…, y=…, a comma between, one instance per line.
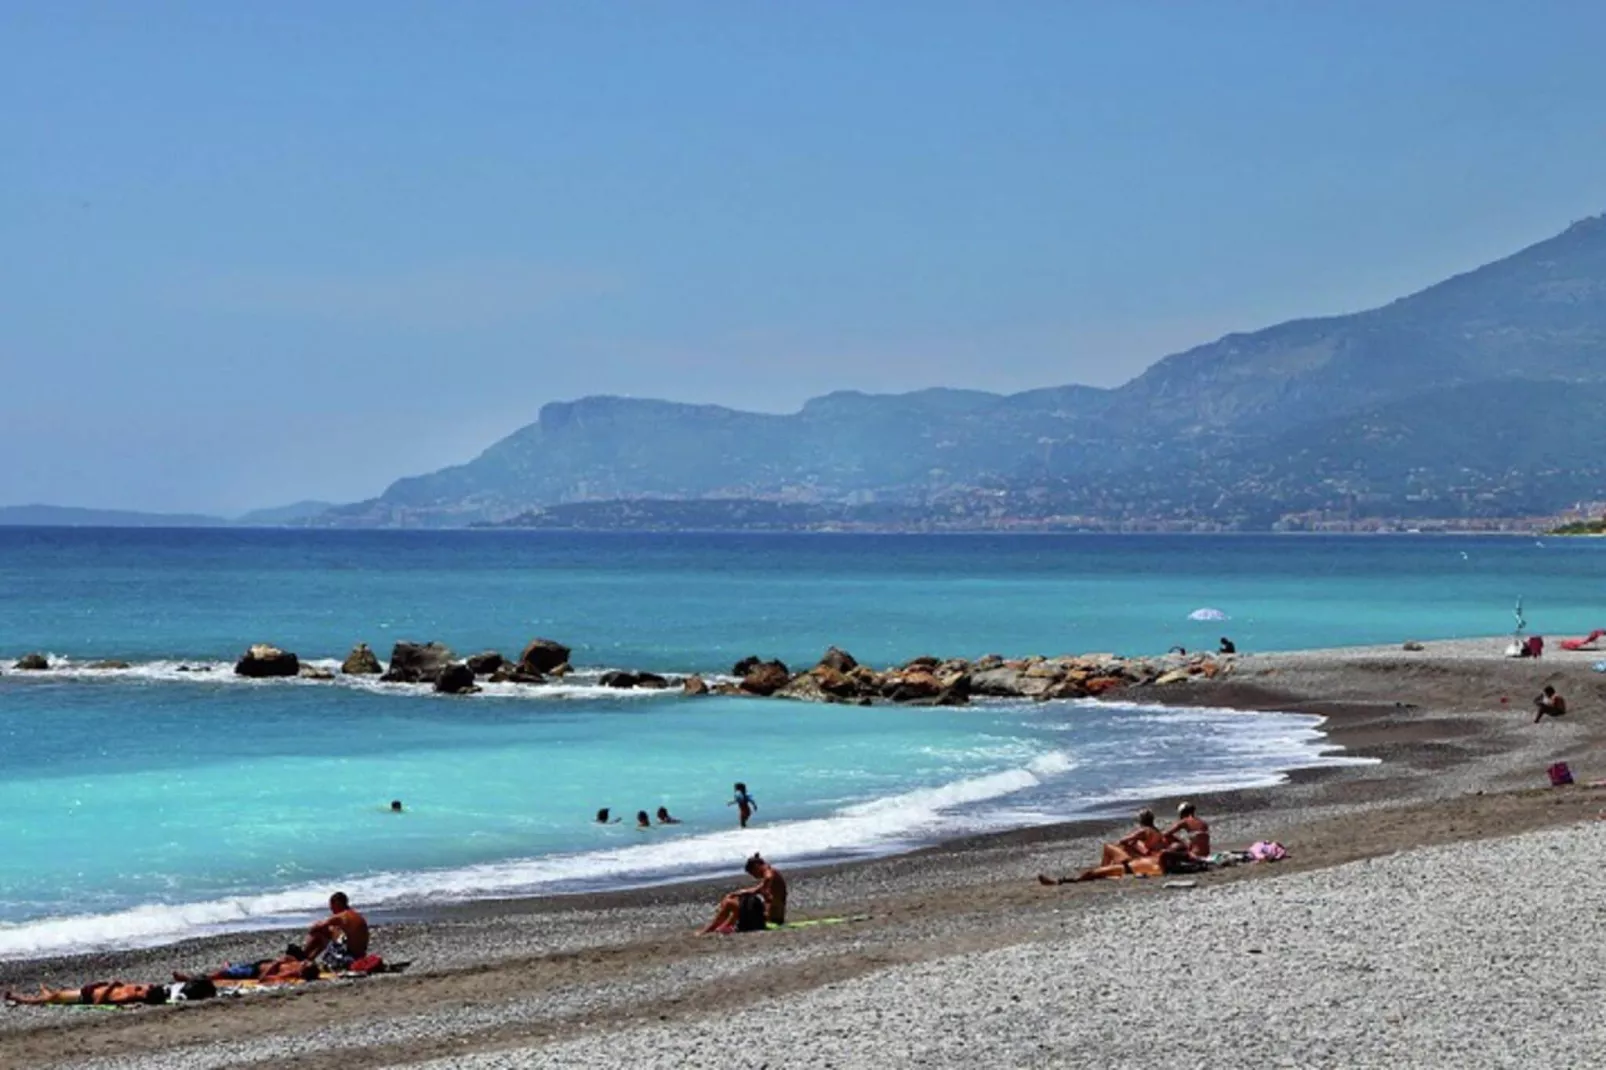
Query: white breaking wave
x=879, y=826
x=583, y=683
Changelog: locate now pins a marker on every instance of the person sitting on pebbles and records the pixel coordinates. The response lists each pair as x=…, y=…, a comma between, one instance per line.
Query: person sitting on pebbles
x=770, y=891
x=1549, y=704
x=1145, y=852
x=1190, y=832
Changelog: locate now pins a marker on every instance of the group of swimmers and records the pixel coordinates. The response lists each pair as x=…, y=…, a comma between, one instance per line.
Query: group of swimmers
x=1149, y=852
x=742, y=799
x=338, y=942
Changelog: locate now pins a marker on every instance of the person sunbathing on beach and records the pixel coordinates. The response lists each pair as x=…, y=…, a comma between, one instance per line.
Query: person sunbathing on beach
x=340, y=939
x=268, y=971
x=96, y=993
x=1145, y=852
x=771, y=889
x=1190, y=832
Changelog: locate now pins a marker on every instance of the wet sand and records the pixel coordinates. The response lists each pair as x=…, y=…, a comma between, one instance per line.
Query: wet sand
x=560, y=977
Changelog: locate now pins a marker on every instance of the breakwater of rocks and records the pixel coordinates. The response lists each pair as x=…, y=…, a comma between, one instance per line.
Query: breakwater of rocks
x=837, y=677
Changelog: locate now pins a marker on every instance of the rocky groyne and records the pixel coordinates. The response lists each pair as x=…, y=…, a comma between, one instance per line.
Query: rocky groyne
x=838, y=676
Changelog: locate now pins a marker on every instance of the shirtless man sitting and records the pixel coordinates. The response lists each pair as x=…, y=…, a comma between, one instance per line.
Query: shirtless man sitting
x=771, y=888
x=340, y=939
x=1190, y=832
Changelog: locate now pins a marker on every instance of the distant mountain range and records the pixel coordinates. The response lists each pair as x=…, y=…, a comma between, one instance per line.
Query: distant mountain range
x=1480, y=396
x=65, y=516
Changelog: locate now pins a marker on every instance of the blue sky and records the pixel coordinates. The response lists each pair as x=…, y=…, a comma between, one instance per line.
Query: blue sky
x=259, y=252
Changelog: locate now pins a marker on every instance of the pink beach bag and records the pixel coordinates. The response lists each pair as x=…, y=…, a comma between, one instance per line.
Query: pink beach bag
x=1560, y=775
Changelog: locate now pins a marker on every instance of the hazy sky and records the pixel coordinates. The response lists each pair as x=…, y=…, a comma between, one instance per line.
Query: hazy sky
x=253, y=252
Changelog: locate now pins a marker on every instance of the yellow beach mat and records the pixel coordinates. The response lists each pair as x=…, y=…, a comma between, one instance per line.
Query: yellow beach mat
x=807, y=923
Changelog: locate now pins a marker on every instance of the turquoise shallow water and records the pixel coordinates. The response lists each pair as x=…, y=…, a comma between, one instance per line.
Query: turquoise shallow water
x=150, y=804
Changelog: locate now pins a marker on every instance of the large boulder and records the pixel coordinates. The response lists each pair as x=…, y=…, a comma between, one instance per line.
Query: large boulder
x=835, y=682
x=840, y=660
x=508, y=673
x=315, y=672
x=619, y=678
x=912, y=686
x=746, y=665
x=361, y=662
x=108, y=663
x=542, y=656
x=652, y=681
x=265, y=660
x=766, y=678
x=32, y=663
x=455, y=679
x=418, y=663
x=694, y=685
x=484, y=664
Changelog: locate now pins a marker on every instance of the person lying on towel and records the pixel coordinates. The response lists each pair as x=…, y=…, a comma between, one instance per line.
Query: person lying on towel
x=268, y=971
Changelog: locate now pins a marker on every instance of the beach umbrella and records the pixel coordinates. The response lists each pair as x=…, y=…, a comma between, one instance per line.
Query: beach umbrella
x=1207, y=613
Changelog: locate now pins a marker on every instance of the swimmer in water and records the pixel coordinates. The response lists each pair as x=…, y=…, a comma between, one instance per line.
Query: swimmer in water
x=395, y=806
x=664, y=818
x=642, y=820
x=604, y=819
x=744, y=803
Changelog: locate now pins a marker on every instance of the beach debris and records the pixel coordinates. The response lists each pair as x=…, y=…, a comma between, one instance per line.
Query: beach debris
x=31, y=663
x=361, y=662
x=1208, y=613
x=541, y=656
x=264, y=659
x=1413, y=646
x=315, y=672
x=417, y=663
x=1180, y=884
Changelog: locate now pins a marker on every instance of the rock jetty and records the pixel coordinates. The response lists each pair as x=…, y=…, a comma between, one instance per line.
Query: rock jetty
x=930, y=681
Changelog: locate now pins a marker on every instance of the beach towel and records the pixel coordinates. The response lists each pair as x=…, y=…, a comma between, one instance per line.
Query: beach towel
x=1267, y=851
x=811, y=922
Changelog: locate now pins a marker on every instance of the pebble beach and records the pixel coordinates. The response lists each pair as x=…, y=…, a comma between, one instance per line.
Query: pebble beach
x=1438, y=908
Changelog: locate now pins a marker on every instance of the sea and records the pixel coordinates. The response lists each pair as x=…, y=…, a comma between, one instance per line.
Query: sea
x=173, y=799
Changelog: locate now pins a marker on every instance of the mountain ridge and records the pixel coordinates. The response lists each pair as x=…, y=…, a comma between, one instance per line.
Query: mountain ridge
x=1537, y=315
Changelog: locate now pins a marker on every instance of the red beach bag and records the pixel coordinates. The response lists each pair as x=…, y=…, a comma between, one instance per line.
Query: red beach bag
x=1560, y=774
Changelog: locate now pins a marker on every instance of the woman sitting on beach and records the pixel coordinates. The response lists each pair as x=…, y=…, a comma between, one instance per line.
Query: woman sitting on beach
x=770, y=890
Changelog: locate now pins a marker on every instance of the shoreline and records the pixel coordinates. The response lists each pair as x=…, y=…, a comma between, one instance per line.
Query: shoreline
x=1454, y=767
x=1320, y=757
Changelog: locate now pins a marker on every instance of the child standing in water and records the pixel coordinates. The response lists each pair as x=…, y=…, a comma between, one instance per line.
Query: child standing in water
x=743, y=802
